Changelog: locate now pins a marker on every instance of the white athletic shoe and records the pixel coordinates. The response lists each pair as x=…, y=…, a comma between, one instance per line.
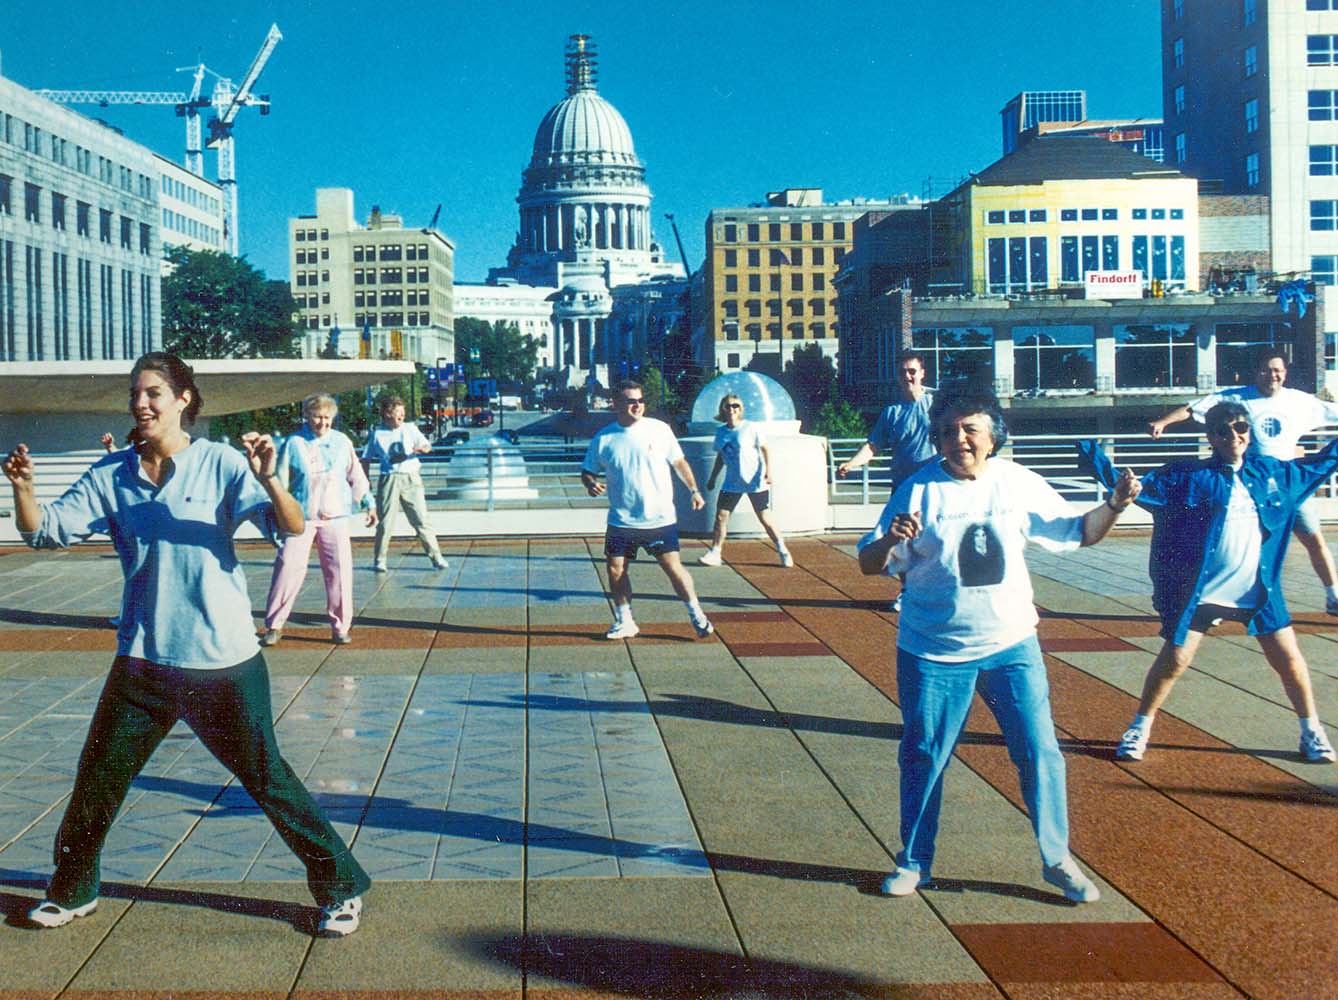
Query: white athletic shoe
x=711, y=557
x=623, y=629
x=48, y=914
x=340, y=919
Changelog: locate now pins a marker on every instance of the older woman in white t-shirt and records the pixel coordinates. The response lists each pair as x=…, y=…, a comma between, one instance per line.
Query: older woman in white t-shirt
x=958, y=528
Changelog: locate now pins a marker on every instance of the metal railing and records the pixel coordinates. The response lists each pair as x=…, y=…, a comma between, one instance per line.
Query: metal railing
x=490, y=477
x=1052, y=456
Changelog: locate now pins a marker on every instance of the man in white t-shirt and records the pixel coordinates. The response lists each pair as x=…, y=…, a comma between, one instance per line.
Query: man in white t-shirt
x=635, y=455
x=395, y=445
x=1278, y=418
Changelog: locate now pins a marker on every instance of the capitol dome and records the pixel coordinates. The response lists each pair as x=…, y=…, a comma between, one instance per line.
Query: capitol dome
x=583, y=128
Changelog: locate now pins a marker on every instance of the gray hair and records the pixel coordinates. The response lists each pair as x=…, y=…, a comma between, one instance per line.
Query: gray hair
x=318, y=401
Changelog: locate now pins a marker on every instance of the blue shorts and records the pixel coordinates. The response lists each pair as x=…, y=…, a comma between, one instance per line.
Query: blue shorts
x=625, y=541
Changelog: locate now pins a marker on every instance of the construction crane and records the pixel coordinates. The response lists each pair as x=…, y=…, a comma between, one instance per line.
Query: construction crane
x=226, y=101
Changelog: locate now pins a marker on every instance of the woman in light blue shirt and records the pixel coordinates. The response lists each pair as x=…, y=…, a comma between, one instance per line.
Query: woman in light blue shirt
x=186, y=646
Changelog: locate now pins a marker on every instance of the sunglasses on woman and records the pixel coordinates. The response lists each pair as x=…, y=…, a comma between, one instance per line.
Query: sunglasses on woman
x=1236, y=426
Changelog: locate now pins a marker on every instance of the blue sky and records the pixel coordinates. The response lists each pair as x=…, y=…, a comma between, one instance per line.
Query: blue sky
x=414, y=103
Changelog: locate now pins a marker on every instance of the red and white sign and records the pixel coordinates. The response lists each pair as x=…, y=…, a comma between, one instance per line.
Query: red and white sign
x=1114, y=284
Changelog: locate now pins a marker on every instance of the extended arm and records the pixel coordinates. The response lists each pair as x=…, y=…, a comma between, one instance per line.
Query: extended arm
x=874, y=556
x=263, y=458
x=766, y=463
x=1157, y=427
x=19, y=471
x=1098, y=521
x=860, y=458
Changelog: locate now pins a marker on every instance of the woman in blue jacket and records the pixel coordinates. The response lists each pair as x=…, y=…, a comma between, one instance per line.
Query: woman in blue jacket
x=186, y=646
x=1219, y=537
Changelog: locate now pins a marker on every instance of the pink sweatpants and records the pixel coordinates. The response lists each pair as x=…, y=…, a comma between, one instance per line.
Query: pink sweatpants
x=290, y=570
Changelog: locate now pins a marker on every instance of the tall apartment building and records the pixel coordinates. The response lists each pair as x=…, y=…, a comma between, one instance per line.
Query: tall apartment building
x=379, y=290
x=79, y=240
x=769, y=271
x=1250, y=89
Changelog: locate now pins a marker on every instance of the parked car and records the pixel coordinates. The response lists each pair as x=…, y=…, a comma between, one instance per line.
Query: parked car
x=483, y=418
x=447, y=442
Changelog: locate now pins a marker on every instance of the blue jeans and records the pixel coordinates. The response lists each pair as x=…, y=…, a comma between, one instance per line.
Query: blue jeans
x=935, y=698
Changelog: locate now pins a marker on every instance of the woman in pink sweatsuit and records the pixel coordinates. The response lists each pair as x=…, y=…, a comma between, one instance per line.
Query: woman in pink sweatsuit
x=320, y=466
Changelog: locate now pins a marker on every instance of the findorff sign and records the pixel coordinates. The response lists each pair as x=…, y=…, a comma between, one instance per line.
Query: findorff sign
x=1114, y=284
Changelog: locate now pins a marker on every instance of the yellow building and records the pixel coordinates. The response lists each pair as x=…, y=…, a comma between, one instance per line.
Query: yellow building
x=768, y=277
x=386, y=289
x=1057, y=208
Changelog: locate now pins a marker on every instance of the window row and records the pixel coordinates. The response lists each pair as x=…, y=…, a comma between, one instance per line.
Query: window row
x=792, y=230
x=1020, y=263
x=413, y=297
x=192, y=228
x=388, y=319
x=310, y=256
x=58, y=211
x=46, y=144
x=772, y=331
x=390, y=275
x=816, y=282
x=312, y=301
x=776, y=307
x=390, y=251
x=309, y=235
x=1147, y=356
x=1321, y=50
x=64, y=302
x=176, y=188
x=789, y=257
x=1013, y=216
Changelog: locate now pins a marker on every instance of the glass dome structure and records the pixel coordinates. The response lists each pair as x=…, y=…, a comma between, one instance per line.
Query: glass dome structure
x=764, y=399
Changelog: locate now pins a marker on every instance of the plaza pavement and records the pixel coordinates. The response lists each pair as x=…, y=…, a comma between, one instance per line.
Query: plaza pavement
x=550, y=815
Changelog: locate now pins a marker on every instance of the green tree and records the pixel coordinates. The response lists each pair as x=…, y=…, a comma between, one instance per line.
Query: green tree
x=219, y=306
x=836, y=418
x=504, y=352
x=661, y=400
x=810, y=378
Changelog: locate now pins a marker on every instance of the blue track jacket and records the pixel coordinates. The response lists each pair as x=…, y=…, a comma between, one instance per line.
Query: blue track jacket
x=1188, y=502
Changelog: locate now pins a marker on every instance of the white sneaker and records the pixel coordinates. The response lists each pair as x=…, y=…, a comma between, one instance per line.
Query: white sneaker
x=48, y=914
x=379, y=568
x=786, y=560
x=1070, y=880
x=902, y=882
x=623, y=629
x=340, y=919
x=703, y=625
x=1331, y=606
x=1315, y=747
x=1133, y=744
x=895, y=606
x=440, y=563
x=711, y=557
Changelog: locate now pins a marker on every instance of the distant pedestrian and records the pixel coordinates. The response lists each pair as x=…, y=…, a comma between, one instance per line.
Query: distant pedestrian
x=186, y=649
x=902, y=430
x=320, y=467
x=1278, y=417
x=1220, y=527
x=395, y=445
x=635, y=454
x=741, y=451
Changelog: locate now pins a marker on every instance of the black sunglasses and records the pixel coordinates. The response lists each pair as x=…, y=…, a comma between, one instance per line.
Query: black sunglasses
x=1239, y=426
x=734, y=406
x=631, y=400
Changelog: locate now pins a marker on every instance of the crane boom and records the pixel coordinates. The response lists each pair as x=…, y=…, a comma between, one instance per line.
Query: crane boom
x=243, y=95
x=108, y=97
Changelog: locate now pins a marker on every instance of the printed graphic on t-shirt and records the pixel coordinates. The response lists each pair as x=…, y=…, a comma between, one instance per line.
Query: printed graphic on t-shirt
x=980, y=557
x=1267, y=426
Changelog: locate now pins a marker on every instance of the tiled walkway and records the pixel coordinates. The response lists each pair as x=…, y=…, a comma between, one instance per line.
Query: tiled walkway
x=548, y=814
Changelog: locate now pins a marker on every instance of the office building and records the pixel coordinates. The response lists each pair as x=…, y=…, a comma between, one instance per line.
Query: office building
x=1250, y=91
x=1035, y=113
x=528, y=307
x=768, y=277
x=379, y=290
x=79, y=236
x=191, y=210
